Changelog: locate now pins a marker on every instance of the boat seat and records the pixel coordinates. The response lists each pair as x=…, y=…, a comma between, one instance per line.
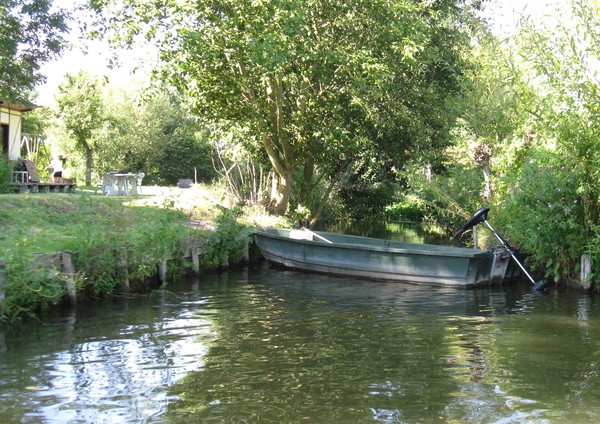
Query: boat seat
x=301, y=235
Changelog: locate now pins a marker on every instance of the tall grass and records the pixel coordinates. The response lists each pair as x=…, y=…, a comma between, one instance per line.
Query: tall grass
x=97, y=231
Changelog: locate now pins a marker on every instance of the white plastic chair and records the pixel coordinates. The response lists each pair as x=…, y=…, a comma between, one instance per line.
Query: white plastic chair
x=140, y=177
x=108, y=185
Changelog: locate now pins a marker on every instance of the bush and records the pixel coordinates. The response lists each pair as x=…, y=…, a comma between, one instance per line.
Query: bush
x=450, y=198
x=227, y=241
x=6, y=169
x=542, y=212
x=409, y=208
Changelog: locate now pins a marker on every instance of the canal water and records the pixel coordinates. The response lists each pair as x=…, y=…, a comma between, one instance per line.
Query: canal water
x=262, y=344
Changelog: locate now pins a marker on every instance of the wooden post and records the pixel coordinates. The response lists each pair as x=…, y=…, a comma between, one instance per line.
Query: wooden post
x=3, y=283
x=196, y=259
x=225, y=261
x=123, y=272
x=68, y=271
x=246, y=251
x=162, y=271
x=586, y=270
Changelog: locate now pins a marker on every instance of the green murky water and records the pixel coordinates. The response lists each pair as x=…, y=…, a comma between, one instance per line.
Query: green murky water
x=267, y=345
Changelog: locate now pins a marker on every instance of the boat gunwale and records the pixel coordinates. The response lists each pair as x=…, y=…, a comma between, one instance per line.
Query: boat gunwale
x=439, y=250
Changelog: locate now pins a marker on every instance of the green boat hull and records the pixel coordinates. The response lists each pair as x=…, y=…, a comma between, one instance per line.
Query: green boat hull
x=377, y=258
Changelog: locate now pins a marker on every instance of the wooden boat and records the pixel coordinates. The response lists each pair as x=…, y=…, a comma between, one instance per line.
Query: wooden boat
x=381, y=259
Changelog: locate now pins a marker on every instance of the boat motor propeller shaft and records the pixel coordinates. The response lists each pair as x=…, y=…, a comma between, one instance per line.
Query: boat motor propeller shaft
x=481, y=217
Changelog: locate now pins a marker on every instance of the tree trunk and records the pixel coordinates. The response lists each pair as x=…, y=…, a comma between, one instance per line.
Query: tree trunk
x=487, y=190
x=281, y=189
x=89, y=163
x=309, y=170
x=278, y=148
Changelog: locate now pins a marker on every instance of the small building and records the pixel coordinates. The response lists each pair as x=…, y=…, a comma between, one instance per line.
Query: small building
x=11, y=114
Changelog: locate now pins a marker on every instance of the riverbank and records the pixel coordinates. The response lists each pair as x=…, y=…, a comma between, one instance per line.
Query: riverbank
x=112, y=243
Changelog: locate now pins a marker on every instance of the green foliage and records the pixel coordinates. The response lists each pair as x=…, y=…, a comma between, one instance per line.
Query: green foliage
x=447, y=197
x=81, y=111
x=6, y=169
x=235, y=162
x=562, y=64
x=146, y=131
x=315, y=83
x=99, y=232
x=31, y=34
x=366, y=188
x=155, y=134
x=542, y=212
x=32, y=283
x=228, y=241
x=408, y=208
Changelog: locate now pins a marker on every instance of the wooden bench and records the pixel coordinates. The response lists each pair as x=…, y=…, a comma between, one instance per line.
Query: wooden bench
x=43, y=187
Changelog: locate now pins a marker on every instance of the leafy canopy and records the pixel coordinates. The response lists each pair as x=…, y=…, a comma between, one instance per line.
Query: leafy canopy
x=31, y=33
x=317, y=83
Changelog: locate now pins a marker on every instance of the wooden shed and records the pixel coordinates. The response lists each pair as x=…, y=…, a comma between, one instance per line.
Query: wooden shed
x=11, y=114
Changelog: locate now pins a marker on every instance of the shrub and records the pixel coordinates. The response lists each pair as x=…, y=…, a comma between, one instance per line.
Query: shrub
x=6, y=169
x=227, y=241
x=542, y=212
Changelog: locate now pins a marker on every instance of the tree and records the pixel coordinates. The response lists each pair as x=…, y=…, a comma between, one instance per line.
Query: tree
x=316, y=82
x=552, y=181
x=495, y=102
x=30, y=35
x=566, y=60
x=81, y=110
x=150, y=131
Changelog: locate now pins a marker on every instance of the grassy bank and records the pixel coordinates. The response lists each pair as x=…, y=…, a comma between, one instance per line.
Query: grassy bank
x=102, y=233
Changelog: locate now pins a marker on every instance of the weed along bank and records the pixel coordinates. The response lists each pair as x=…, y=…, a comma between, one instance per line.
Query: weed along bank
x=68, y=248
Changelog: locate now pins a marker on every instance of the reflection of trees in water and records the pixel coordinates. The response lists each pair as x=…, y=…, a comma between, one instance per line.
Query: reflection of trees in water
x=283, y=347
x=101, y=361
x=321, y=349
x=552, y=355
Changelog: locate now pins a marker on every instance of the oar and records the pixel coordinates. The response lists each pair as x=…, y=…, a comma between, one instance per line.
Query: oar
x=316, y=235
x=481, y=217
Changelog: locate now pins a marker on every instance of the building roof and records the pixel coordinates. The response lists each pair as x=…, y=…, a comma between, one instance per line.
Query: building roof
x=18, y=106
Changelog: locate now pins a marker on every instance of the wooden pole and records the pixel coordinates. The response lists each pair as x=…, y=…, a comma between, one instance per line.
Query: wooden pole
x=162, y=271
x=586, y=271
x=246, y=251
x=196, y=259
x=3, y=283
x=68, y=271
x=123, y=271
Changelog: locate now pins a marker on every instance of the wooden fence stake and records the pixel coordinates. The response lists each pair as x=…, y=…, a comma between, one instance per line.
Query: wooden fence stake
x=586, y=270
x=3, y=283
x=196, y=260
x=162, y=271
x=68, y=271
x=225, y=261
x=246, y=251
x=123, y=272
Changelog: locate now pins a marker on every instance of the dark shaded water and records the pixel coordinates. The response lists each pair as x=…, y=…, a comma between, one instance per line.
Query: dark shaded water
x=267, y=345
x=410, y=232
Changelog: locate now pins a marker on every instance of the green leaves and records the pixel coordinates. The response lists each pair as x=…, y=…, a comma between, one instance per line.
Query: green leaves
x=30, y=35
x=311, y=79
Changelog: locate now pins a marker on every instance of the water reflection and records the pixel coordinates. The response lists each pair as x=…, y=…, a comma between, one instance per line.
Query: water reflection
x=280, y=346
x=113, y=365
